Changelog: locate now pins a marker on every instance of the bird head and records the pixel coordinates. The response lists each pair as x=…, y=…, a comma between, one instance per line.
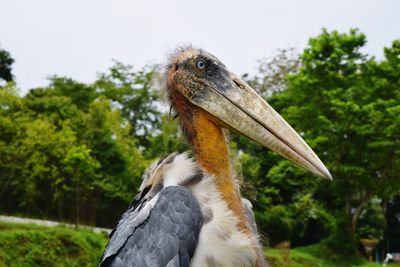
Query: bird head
x=196, y=76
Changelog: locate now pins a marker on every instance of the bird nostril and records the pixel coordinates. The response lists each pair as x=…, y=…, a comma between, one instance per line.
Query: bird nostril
x=239, y=84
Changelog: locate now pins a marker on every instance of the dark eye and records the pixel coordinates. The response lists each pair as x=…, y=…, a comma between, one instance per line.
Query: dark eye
x=201, y=64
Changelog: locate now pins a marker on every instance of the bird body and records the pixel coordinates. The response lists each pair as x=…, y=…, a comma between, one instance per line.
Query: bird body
x=189, y=211
x=213, y=226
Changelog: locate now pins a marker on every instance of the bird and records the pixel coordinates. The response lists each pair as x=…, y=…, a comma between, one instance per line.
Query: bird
x=189, y=211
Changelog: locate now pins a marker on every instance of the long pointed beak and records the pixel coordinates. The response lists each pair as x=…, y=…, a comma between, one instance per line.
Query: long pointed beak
x=238, y=106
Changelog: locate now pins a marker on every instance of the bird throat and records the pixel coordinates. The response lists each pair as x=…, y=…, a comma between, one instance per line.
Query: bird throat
x=212, y=153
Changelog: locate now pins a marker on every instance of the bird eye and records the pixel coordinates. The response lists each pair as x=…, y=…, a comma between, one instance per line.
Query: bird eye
x=201, y=64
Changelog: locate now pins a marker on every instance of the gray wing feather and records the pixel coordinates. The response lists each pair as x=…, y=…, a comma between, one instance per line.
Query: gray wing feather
x=174, y=262
x=133, y=217
x=166, y=237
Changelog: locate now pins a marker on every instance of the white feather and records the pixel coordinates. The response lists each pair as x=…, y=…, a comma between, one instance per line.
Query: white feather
x=221, y=243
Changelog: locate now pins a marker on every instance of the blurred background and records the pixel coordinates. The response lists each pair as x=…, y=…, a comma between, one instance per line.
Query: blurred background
x=82, y=115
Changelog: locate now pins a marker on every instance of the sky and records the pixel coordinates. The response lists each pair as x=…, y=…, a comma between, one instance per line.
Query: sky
x=79, y=38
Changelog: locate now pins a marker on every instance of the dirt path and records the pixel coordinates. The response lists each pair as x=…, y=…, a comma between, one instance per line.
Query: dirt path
x=47, y=223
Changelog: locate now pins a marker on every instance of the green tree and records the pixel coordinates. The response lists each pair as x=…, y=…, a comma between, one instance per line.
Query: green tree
x=135, y=94
x=82, y=168
x=167, y=140
x=273, y=71
x=6, y=62
x=350, y=101
x=80, y=94
x=66, y=153
x=372, y=224
x=41, y=149
x=10, y=169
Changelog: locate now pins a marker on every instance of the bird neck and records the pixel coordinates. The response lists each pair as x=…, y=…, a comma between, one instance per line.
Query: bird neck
x=212, y=153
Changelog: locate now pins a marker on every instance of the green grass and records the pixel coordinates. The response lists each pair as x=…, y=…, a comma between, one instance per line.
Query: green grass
x=317, y=256
x=30, y=245
x=25, y=245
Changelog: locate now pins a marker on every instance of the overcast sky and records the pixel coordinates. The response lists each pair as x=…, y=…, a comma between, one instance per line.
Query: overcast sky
x=78, y=38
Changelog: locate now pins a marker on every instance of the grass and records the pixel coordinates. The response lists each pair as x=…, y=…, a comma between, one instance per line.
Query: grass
x=26, y=245
x=317, y=256
x=30, y=245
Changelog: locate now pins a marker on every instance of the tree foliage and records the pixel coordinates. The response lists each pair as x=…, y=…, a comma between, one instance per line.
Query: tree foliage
x=346, y=105
x=67, y=153
x=6, y=62
x=75, y=151
x=135, y=95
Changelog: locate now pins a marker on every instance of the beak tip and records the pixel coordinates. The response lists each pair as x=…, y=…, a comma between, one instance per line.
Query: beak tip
x=329, y=177
x=326, y=174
